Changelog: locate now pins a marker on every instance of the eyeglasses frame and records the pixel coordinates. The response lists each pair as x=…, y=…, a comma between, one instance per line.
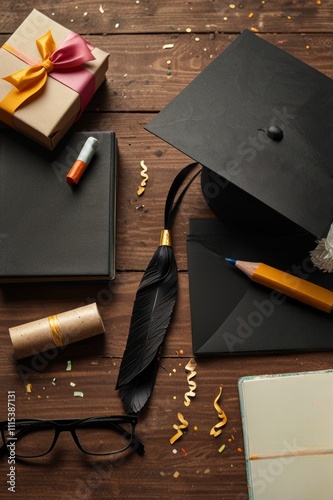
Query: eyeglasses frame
x=69, y=425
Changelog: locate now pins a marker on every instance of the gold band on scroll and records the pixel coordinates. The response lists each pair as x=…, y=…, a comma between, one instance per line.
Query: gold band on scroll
x=55, y=330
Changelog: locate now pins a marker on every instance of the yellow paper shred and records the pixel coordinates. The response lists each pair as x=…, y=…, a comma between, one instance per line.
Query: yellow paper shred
x=190, y=367
x=143, y=174
x=179, y=428
x=217, y=429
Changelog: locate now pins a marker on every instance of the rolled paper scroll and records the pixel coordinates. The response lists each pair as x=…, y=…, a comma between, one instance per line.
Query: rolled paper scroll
x=56, y=331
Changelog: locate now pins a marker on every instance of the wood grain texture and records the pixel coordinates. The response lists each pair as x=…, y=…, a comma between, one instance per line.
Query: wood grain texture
x=142, y=78
x=153, y=16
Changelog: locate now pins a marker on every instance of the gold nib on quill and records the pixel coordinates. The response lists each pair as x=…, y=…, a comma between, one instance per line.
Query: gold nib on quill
x=165, y=238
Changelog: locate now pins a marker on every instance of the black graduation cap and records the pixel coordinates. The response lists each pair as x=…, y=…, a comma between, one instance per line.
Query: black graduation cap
x=260, y=121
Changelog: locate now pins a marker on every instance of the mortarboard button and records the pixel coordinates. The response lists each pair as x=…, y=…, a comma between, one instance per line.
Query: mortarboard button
x=269, y=178
x=274, y=132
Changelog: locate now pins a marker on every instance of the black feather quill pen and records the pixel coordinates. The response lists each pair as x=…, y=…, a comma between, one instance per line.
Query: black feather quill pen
x=152, y=311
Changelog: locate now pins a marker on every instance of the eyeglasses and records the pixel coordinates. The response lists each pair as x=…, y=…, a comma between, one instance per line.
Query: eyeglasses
x=95, y=436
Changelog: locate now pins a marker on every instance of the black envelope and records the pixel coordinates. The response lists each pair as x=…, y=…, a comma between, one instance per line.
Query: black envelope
x=224, y=119
x=230, y=314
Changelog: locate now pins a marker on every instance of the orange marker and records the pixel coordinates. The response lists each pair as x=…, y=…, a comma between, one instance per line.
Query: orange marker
x=82, y=161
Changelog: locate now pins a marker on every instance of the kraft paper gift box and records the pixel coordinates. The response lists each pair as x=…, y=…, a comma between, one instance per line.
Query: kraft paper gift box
x=48, y=74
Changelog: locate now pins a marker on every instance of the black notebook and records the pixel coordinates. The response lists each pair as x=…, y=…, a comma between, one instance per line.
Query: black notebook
x=233, y=315
x=48, y=229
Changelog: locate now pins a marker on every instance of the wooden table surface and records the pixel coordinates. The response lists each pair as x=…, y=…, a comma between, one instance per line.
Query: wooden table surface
x=142, y=78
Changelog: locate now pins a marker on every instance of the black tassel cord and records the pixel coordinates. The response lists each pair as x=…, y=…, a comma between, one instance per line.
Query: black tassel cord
x=152, y=311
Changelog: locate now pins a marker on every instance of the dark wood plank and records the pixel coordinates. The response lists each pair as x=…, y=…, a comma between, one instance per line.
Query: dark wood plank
x=148, y=77
x=142, y=16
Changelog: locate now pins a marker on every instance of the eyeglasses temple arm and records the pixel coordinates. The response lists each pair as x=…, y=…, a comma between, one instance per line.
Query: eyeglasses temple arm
x=135, y=443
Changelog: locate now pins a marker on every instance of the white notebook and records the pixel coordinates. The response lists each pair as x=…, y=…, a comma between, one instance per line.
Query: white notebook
x=288, y=435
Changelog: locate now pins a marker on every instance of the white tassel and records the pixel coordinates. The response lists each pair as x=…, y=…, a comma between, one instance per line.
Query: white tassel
x=322, y=255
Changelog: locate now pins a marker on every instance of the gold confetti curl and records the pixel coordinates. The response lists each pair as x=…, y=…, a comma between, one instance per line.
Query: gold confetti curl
x=190, y=367
x=143, y=184
x=217, y=429
x=179, y=428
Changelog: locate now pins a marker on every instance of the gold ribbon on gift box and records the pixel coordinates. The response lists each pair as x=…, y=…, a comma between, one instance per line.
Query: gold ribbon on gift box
x=27, y=82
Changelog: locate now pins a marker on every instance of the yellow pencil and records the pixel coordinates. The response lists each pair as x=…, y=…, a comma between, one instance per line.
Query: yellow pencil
x=292, y=286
